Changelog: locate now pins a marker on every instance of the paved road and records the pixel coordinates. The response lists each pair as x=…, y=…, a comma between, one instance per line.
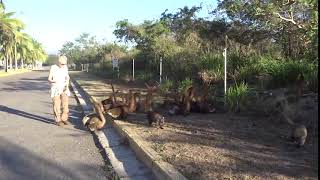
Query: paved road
x=31, y=146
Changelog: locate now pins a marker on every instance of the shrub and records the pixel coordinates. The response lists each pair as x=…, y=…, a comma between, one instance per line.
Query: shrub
x=311, y=78
x=237, y=97
x=144, y=75
x=284, y=73
x=184, y=84
x=166, y=86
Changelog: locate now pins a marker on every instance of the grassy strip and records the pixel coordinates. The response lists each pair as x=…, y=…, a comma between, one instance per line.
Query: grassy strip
x=13, y=72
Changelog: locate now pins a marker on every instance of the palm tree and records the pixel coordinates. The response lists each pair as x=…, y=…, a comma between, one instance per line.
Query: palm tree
x=16, y=44
x=9, y=28
x=24, y=48
x=2, y=7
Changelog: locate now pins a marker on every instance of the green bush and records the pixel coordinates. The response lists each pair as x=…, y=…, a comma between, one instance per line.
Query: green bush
x=284, y=73
x=212, y=62
x=311, y=78
x=249, y=73
x=144, y=75
x=237, y=97
x=166, y=86
x=184, y=84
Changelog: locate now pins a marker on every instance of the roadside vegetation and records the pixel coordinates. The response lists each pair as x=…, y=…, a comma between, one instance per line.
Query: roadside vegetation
x=268, y=45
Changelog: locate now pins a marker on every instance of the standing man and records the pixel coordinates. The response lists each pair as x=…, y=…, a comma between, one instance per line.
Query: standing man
x=59, y=80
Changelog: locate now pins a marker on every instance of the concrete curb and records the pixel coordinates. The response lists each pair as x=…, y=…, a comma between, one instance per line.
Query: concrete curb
x=146, y=154
x=120, y=166
x=161, y=169
x=86, y=110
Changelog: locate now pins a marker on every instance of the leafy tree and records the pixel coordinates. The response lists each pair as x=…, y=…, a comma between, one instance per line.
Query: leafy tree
x=289, y=22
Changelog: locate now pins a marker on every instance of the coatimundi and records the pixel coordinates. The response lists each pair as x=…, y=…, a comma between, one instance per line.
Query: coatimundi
x=95, y=121
x=146, y=104
x=182, y=104
x=132, y=101
x=299, y=135
x=118, y=112
x=299, y=132
x=192, y=101
x=155, y=117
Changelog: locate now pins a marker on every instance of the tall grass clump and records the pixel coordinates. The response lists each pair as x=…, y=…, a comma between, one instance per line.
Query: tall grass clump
x=182, y=86
x=144, y=75
x=311, y=77
x=285, y=73
x=237, y=97
x=166, y=86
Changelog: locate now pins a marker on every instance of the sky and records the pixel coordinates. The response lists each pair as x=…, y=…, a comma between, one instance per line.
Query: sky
x=54, y=22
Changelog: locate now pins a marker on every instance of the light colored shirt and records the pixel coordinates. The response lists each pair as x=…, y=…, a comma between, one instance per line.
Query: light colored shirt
x=60, y=76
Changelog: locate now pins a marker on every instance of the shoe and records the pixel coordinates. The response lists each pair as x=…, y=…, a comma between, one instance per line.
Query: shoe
x=66, y=122
x=60, y=123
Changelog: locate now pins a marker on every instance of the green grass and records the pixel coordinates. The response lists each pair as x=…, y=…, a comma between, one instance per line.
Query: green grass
x=237, y=97
x=13, y=72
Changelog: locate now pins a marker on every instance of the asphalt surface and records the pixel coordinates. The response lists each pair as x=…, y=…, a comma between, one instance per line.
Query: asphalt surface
x=32, y=146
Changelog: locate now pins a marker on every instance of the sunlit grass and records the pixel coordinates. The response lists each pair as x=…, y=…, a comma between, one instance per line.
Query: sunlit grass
x=13, y=72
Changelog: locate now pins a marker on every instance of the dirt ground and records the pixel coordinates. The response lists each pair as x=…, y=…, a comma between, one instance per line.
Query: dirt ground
x=231, y=146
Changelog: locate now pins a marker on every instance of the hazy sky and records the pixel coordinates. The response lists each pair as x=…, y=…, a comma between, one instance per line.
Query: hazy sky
x=53, y=22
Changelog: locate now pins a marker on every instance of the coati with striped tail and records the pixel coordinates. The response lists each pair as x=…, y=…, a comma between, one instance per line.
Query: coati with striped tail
x=115, y=109
x=146, y=104
x=132, y=101
x=192, y=101
x=118, y=112
x=95, y=121
x=299, y=132
x=152, y=116
x=182, y=103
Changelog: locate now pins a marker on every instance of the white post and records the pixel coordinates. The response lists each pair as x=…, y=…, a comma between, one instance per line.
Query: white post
x=225, y=70
x=112, y=61
x=118, y=68
x=133, y=69
x=160, y=69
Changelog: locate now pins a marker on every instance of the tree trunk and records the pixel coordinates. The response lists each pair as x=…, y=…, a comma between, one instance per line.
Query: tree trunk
x=10, y=65
x=6, y=63
x=15, y=57
x=22, y=65
x=289, y=46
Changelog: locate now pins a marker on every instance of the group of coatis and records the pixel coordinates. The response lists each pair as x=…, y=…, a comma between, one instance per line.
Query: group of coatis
x=192, y=100
x=189, y=101
x=120, y=109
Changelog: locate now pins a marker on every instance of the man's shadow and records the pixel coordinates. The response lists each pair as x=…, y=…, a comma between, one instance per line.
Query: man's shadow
x=26, y=115
x=73, y=117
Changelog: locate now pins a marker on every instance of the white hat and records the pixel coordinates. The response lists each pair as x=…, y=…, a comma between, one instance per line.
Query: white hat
x=62, y=59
